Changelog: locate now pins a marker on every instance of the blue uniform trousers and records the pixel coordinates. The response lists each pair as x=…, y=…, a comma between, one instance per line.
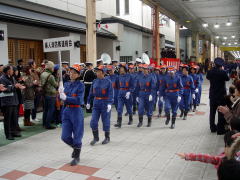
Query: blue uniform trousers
x=128, y=104
x=100, y=109
x=145, y=106
x=171, y=103
x=72, y=126
x=185, y=101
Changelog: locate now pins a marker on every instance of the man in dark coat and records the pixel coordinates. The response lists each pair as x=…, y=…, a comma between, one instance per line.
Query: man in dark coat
x=9, y=103
x=217, y=77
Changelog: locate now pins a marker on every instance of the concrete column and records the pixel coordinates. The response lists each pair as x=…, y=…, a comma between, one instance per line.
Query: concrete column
x=91, y=31
x=75, y=53
x=197, y=47
x=215, y=51
x=177, y=39
x=189, y=46
x=4, y=45
x=212, y=52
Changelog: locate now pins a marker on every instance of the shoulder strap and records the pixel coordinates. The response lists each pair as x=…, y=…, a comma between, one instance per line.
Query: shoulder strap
x=46, y=81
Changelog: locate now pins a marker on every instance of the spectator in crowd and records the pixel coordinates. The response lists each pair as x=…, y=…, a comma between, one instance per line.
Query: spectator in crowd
x=1, y=70
x=37, y=88
x=9, y=103
x=235, y=112
x=49, y=86
x=217, y=77
x=28, y=95
x=20, y=65
x=17, y=76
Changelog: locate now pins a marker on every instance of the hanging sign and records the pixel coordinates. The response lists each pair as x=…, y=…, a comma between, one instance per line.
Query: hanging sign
x=58, y=44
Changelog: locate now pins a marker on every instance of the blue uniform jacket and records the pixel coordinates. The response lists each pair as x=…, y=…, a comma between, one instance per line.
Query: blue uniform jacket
x=145, y=85
x=172, y=85
x=196, y=80
x=101, y=89
x=126, y=84
x=188, y=84
x=74, y=92
x=160, y=82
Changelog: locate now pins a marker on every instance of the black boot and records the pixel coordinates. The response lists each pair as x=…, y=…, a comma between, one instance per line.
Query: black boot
x=95, y=137
x=159, y=112
x=76, y=155
x=185, y=115
x=107, y=138
x=126, y=114
x=134, y=110
x=168, y=119
x=130, y=120
x=149, y=121
x=119, y=122
x=194, y=107
x=181, y=115
x=140, y=121
x=173, y=122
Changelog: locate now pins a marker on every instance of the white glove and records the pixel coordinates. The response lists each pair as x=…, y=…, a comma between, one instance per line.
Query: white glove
x=63, y=96
x=127, y=95
x=61, y=88
x=196, y=90
x=179, y=99
x=193, y=96
x=150, y=98
x=161, y=98
x=88, y=106
x=109, y=107
x=137, y=99
x=158, y=93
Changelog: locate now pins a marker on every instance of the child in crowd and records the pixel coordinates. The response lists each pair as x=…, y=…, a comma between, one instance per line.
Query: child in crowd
x=229, y=168
x=215, y=160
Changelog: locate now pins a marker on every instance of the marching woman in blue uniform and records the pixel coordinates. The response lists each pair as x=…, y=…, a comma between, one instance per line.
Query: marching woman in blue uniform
x=172, y=88
x=113, y=77
x=161, y=77
x=102, y=93
x=154, y=76
x=132, y=73
x=196, y=81
x=145, y=88
x=126, y=88
x=72, y=116
x=188, y=92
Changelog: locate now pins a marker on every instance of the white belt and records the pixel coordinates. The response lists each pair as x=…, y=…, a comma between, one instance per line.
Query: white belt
x=87, y=82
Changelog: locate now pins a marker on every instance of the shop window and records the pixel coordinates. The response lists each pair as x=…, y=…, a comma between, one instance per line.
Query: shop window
x=126, y=59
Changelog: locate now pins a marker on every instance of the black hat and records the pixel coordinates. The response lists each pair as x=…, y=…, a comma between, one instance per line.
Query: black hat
x=88, y=63
x=19, y=61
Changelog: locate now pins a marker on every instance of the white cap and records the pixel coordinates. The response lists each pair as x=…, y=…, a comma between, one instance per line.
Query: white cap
x=98, y=60
x=138, y=60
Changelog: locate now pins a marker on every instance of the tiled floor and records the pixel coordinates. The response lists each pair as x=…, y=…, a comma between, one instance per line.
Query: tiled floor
x=133, y=153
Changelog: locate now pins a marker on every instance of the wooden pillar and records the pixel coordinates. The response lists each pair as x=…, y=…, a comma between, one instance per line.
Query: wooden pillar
x=156, y=34
x=177, y=40
x=91, y=31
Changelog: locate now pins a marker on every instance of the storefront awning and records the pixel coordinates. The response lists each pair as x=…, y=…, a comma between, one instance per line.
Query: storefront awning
x=9, y=13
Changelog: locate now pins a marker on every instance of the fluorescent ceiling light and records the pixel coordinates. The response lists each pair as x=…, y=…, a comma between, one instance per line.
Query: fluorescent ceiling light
x=205, y=25
x=229, y=44
x=235, y=43
x=233, y=37
x=216, y=25
x=217, y=37
x=223, y=43
x=225, y=37
x=228, y=23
